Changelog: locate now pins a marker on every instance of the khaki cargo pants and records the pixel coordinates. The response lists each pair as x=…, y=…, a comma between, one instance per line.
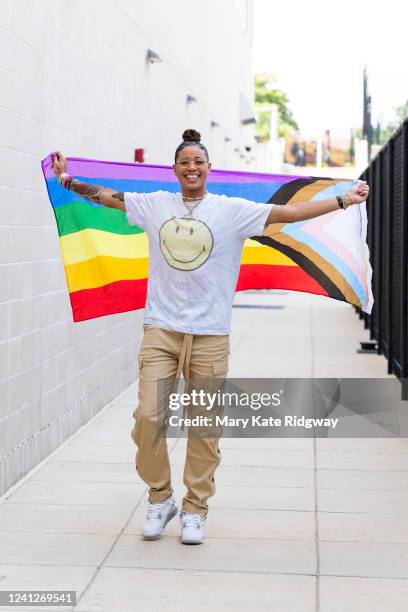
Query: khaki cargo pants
x=165, y=354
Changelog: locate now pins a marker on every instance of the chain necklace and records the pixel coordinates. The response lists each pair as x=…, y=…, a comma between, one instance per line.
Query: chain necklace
x=194, y=199
x=190, y=206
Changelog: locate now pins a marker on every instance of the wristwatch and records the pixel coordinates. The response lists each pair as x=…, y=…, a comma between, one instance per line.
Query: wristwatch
x=340, y=201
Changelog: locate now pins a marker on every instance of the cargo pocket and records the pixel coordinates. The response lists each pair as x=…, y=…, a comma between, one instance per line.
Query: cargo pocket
x=220, y=368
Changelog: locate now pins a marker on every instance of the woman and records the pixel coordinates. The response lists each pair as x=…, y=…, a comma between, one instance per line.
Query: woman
x=195, y=245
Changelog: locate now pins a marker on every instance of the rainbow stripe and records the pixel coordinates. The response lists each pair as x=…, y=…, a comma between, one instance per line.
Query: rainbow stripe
x=106, y=259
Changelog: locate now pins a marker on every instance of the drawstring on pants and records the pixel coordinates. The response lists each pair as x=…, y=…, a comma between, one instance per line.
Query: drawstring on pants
x=184, y=361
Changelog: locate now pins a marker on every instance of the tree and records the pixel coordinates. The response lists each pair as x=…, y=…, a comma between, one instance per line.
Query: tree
x=384, y=132
x=402, y=112
x=266, y=94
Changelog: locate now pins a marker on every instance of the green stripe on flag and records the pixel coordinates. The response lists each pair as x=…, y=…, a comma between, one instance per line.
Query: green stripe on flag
x=77, y=216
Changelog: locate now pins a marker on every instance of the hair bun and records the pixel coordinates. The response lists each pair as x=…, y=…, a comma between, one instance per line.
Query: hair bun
x=191, y=136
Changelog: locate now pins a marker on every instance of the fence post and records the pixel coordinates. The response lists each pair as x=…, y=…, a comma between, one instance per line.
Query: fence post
x=390, y=197
x=404, y=254
x=366, y=177
x=379, y=313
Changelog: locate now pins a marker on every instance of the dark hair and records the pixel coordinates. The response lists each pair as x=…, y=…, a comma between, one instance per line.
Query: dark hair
x=191, y=138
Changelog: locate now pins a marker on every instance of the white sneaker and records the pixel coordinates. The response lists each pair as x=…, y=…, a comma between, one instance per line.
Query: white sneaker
x=192, y=528
x=158, y=515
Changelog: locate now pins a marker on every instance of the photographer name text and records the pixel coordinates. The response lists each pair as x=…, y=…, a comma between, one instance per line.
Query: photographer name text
x=252, y=421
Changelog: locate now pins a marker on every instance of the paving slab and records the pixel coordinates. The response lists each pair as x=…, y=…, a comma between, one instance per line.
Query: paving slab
x=221, y=554
x=363, y=527
x=362, y=445
x=132, y=590
x=363, y=461
x=380, y=480
x=364, y=559
x=354, y=500
x=351, y=594
x=83, y=471
x=74, y=493
x=40, y=548
x=46, y=578
x=62, y=518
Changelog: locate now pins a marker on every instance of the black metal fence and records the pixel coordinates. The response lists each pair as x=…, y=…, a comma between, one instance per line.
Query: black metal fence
x=387, y=212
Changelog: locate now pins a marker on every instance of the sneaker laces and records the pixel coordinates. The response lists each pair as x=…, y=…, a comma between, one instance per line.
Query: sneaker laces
x=192, y=520
x=154, y=510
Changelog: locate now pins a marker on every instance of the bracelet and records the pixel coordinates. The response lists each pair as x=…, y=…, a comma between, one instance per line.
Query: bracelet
x=344, y=200
x=65, y=180
x=340, y=201
x=347, y=193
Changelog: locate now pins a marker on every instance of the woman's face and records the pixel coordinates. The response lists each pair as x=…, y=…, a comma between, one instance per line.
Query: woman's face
x=191, y=168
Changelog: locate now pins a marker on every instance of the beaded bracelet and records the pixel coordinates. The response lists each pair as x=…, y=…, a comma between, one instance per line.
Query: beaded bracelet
x=68, y=182
x=344, y=200
x=347, y=193
x=65, y=180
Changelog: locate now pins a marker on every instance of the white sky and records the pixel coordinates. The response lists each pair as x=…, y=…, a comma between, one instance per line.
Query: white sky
x=317, y=50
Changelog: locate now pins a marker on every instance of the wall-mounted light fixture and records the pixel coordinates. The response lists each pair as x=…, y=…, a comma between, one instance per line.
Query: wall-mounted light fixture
x=214, y=124
x=152, y=57
x=227, y=139
x=190, y=99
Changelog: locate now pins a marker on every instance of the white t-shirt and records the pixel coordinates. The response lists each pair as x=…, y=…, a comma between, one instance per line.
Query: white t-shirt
x=194, y=264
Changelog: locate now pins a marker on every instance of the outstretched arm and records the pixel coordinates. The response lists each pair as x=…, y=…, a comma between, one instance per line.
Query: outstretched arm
x=95, y=193
x=301, y=211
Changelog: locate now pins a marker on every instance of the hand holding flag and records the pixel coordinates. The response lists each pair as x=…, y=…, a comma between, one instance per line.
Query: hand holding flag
x=59, y=163
x=359, y=192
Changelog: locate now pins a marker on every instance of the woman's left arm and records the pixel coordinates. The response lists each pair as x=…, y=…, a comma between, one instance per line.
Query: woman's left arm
x=301, y=211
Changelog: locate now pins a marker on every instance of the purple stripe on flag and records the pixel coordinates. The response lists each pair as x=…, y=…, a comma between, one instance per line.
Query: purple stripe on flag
x=78, y=166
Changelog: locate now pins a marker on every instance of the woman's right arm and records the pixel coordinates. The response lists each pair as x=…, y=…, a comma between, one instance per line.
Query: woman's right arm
x=95, y=193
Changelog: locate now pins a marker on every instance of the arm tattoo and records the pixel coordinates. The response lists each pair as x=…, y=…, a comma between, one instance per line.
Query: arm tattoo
x=119, y=195
x=92, y=192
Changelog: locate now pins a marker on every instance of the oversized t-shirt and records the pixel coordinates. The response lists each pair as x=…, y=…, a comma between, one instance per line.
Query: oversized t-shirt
x=194, y=263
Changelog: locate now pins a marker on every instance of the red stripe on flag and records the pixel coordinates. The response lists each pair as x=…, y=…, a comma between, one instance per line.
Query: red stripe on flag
x=126, y=295
x=262, y=276
x=120, y=296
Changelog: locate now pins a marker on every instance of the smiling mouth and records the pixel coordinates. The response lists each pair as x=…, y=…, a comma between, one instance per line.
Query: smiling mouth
x=187, y=261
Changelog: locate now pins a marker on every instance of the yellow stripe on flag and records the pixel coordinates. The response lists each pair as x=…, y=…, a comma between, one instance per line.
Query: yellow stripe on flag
x=103, y=270
x=256, y=253
x=90, y=243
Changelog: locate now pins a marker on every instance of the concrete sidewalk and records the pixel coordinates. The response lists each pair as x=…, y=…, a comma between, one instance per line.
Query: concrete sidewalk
x=295, y=525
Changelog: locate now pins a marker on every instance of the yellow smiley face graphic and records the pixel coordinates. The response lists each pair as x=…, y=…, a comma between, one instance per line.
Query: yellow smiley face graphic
x=185, y=243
